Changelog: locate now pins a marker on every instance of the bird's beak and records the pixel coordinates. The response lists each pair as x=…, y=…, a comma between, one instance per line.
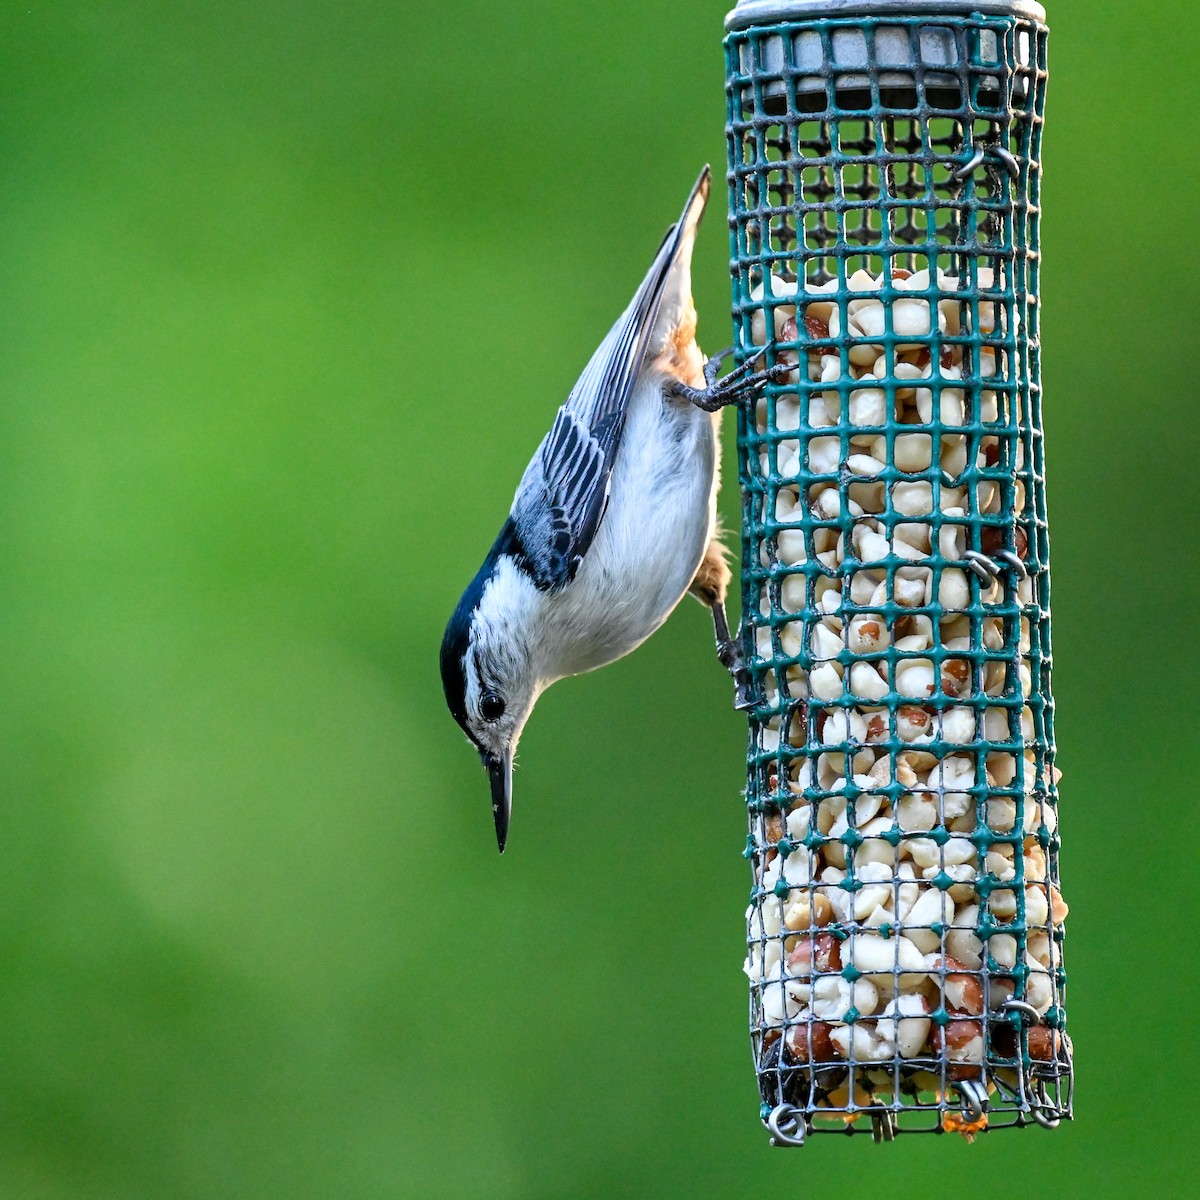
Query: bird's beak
x=500, y=773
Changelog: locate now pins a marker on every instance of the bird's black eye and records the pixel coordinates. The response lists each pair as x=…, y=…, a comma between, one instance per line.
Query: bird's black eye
x=491, y=706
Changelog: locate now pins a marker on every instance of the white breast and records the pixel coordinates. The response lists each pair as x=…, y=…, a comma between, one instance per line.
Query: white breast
x=661, y=514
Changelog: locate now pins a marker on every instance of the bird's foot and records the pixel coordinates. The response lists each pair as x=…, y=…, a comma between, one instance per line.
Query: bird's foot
x=732, y=659
x=729, y=651
x=740, y=384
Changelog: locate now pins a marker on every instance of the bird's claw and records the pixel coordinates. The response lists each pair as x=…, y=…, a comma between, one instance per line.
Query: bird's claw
x=733, y=388
x=744, y=698
x=734, y=661
x=714, y=364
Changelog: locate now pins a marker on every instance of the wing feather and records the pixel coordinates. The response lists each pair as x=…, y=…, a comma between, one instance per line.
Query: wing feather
x=564, y=492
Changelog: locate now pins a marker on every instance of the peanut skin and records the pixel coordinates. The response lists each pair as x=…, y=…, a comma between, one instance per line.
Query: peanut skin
x=811, y=1043
x=955, y=1042
x=964, y=992
x=824, y=951
x=1044, y=1043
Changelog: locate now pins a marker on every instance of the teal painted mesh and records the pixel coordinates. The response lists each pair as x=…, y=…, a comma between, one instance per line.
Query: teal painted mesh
x=905, y=927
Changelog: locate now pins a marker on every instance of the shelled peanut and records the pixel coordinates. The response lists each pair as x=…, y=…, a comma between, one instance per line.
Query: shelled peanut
x=905, y=867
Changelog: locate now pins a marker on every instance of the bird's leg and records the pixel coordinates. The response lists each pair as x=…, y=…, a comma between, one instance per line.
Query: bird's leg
x=738, y=385
x=709, y=587
x=730, y=654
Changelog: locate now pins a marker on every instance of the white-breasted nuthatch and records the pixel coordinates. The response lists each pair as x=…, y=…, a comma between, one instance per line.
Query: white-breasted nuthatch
x=613, y=522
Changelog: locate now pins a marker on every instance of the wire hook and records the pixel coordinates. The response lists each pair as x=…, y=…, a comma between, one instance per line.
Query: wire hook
x=1013, y=561
x=983, y=566
x=1044, y=1113
x=883, y=1126
x=974, y=1100
x=1010, y=163
x=1029, y=1015
x=968, y=168
x=787, y=1125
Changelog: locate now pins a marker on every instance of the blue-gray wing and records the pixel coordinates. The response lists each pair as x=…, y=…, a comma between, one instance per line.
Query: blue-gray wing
x=564, y=492
x=562, y=497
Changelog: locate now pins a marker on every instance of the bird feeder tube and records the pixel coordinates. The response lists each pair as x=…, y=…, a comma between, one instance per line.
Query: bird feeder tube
x=905, y=928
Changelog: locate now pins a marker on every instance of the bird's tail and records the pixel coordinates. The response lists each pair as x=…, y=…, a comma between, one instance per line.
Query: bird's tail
x=675, y=320
x=660, y=313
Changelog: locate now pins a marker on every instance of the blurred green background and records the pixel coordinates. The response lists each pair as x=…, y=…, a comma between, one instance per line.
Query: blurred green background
x=290, y=293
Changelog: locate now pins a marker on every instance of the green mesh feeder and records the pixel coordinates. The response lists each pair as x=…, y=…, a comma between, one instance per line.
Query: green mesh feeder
x=905, y=927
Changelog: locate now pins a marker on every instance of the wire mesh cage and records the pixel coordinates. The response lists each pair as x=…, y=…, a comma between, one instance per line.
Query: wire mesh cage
x=905, y=927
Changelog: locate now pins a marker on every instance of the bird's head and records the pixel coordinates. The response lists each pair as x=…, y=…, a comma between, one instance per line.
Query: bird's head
x=488, y=675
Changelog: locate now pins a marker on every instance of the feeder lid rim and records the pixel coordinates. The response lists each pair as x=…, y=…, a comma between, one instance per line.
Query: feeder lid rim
x=770, y=12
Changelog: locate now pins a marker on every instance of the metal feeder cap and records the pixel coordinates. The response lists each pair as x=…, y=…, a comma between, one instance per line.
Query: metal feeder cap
x=774, y=12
